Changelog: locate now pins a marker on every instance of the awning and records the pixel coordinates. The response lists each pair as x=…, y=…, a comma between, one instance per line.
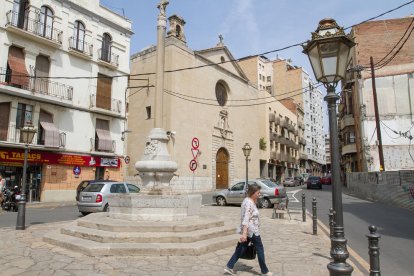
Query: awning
x=51, y=134
x=104, y=140
x=19, y=75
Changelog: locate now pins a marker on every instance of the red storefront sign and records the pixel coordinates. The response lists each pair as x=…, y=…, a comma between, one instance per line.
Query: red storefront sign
x=13, y=157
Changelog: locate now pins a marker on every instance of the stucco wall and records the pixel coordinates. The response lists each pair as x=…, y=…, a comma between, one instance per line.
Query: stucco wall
x=394, y=188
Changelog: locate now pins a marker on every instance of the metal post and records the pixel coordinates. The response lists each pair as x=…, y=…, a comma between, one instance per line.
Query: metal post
x=21, y=215
x=247, y=171
x=303, y=207
x=374, y=261
x=339, y=252
x=314, y=217
x=331, y=222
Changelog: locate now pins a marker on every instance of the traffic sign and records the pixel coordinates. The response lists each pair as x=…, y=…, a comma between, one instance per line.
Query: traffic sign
x=77, y=170
x=193, y=165
x=195, y=143
x=195, y=153
x=127, y=159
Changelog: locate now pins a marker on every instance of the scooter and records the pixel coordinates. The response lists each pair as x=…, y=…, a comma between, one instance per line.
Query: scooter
x=11, y=197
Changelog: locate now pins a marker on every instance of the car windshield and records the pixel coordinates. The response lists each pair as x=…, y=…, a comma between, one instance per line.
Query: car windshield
x=313, y=178
x=269, y=183
x=94, y=188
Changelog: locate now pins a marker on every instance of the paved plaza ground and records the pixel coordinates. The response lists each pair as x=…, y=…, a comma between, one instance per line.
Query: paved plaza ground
x=290, y=249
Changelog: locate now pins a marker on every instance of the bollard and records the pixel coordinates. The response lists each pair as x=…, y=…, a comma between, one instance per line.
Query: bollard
x=314, y=217
x=374, y=261
x=303, y=208
x=331, y=222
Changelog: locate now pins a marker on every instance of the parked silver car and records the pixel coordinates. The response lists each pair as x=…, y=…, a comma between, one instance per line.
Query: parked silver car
x=94, y=198
x=290, y=182
x=271, y=193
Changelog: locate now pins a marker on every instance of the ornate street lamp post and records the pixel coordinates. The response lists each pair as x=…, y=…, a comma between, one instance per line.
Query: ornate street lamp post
x=26, y=134
x=328, y=53
x=246, y=150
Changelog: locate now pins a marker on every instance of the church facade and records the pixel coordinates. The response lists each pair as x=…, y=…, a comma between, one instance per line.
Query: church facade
x=210, y=110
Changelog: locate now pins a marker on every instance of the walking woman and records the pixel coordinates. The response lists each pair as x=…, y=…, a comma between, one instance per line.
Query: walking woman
x=249, y=230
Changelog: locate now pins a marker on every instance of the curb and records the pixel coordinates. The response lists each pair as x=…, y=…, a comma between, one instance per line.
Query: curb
x=356, y=258
x=50, y=204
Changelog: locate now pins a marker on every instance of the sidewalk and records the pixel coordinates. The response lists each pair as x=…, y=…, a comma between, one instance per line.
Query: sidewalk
x=290, y=249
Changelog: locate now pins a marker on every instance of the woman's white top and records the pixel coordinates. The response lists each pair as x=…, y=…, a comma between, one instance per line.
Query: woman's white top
x=249, y=217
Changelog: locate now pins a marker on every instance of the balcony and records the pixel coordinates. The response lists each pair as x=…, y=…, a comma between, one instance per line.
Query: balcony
x=283, y=123
x=302, y=141
x=277, y=120
x=108, y=59
x=291, y=127
x=12, y=135
x=40, y=86
x=303, y=156
x=271, y=117
x=275, y=155
x=349, y=149
x=109, y=104
x=283, y=157
x=301, y=124
x=33, y=29
x=80, y=48
x=347, y=120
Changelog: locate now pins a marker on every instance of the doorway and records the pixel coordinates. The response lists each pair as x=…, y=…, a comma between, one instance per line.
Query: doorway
x=222, y=169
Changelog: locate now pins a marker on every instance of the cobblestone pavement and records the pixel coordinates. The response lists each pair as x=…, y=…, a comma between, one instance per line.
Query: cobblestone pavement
x=290, y=249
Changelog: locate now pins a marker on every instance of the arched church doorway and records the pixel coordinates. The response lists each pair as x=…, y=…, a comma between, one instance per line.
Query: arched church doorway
x=222, y=169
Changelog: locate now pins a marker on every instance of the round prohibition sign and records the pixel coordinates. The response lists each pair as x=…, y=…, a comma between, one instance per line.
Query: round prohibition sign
x=195, y=143
x=193, y=165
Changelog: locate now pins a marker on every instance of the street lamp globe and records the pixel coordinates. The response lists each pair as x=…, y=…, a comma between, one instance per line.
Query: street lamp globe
x=27, y=133
x=247, y=149
x=328, y=52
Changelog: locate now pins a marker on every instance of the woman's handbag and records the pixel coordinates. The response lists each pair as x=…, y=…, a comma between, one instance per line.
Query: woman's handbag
x=249, y=253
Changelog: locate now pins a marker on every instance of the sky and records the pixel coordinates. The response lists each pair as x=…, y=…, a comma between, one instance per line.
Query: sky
x=251, y=27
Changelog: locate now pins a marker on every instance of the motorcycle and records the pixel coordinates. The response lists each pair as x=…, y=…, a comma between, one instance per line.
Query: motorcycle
x=11, y=197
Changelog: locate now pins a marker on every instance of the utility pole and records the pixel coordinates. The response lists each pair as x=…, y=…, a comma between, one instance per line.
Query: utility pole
x=377, y=120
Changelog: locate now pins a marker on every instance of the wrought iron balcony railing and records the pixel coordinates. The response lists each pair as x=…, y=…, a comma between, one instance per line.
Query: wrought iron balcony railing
x=34, y=26
x=39, y=85
x=80, y=46
x=108, y=57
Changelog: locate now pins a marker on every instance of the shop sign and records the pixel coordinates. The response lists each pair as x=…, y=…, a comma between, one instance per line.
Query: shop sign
x=12, y=157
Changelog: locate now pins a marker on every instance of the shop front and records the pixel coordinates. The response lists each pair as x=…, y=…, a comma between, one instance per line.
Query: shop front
x=53, y=177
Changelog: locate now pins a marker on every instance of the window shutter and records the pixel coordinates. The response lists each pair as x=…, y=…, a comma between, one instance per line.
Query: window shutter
x=51, y=133
x=4, y=120
x=104, y=141
x=19, y=75
x=103, y=93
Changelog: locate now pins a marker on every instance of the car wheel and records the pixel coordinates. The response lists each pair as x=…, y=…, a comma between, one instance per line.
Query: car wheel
x=84, y=213
x=266, y=203
x=221, y=201
x=106, y=208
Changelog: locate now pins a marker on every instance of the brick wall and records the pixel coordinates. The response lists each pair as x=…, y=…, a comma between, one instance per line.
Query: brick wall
x=377, y=38
x=395, y=188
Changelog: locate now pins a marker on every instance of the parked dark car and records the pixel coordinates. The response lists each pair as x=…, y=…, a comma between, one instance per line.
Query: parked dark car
x=314, y=182
x=327, y=179
x=85, y=184
x=299, y=180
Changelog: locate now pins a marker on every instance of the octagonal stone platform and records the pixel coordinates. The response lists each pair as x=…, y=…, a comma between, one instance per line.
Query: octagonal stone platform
x=100, y=235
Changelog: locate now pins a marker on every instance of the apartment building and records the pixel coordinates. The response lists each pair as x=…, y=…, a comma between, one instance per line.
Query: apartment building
x=294, y=82
x=393, y=58
x=64, y=67
x=284, y=124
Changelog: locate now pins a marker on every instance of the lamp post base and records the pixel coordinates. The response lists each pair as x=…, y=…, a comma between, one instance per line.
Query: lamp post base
x=21, y=215
x=340, y=269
